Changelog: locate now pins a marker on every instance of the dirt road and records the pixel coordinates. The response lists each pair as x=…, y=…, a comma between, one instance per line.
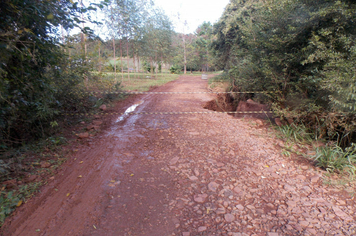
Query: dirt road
x=197, y=174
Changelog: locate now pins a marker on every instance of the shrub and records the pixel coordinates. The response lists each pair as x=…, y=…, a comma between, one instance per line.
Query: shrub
x=335, y=159
x=175, y=69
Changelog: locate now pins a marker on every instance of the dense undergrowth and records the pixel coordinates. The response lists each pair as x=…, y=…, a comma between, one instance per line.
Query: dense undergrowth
x=303, y=140
x=303, y=53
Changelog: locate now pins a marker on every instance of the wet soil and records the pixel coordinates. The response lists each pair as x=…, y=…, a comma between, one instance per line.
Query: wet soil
x=191, y=174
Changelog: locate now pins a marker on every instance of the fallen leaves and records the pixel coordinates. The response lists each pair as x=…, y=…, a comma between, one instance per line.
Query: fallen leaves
x=113, y=183
x=19, y=203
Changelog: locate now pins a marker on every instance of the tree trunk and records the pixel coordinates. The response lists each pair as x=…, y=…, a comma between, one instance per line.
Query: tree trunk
x=63, y=38
x=151, y=67
x=99, y=60
x=138, y=64
x=207, y=60
x=128, y=59
x=83, y=35
x=134, y=61
x=156, y=63
x=113, y=45
x=122, y=66
x=185, y=56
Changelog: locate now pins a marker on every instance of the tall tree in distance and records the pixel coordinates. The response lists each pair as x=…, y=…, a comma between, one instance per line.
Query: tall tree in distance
x=156, y=40
x=129, y=16
x=203, y=42
x=111, y=20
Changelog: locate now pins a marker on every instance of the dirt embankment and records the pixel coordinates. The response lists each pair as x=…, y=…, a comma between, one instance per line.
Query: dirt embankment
x=188, y=174
x=222, y=103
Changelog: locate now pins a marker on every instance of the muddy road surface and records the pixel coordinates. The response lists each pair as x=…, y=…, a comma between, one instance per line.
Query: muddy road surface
x=190, y=174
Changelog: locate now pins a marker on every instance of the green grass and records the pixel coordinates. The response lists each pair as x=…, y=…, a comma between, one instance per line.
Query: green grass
x=137, y=81
x=335, y=159
x=295, y=134
x=200, y=73
x=332, y=158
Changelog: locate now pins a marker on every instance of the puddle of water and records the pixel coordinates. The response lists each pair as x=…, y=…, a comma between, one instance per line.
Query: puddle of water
x=128, y=111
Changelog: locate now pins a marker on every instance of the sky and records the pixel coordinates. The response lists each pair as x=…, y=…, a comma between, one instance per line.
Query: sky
x=194, y=12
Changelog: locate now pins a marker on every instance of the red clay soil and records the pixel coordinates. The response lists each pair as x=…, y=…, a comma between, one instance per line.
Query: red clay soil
x=190, y=174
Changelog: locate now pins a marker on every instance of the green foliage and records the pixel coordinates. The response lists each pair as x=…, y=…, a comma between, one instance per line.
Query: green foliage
x=297, y=134
x=36, y=76
x=301, y=51
x=147, y=67
x=175, y=69
x=141, y=81
x=10, y=200
x=335, y=159
x=34, y=71
x=57, y=141
x=4, y=168
x=197, y=49
x=8, y=203
x=145, y=31
x=111, y=65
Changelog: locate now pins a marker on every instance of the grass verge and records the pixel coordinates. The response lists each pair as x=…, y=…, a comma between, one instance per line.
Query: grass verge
x=137, y=81
x=331, y=157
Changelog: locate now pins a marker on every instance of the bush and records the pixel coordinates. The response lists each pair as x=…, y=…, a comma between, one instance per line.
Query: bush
x=36, y=76
x=335, y=159
x=175, y=69
x=302, y=52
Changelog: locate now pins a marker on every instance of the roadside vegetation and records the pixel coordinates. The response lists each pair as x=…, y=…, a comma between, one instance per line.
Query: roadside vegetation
x=303, y=52
x=46, y=74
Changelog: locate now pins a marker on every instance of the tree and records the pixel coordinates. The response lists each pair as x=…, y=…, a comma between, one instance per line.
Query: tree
x=126, y=20
x=302, y=50
x=33, y=69
x=156, y=38
x=203, y=42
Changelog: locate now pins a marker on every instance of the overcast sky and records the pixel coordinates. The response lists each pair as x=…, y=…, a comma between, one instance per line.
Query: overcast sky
x=195, y=12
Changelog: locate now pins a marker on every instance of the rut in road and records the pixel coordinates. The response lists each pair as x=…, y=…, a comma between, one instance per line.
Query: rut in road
x=200, y=174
